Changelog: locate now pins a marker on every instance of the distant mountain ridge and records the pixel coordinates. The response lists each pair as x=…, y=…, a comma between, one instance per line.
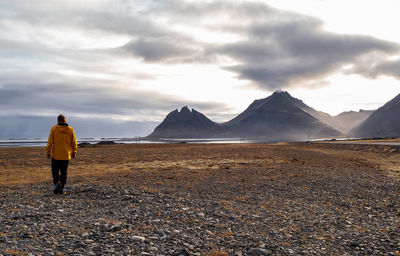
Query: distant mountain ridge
x=342, y=122
x=283, y=117
x=277, y=117
x=346, y=121
x=384, y=122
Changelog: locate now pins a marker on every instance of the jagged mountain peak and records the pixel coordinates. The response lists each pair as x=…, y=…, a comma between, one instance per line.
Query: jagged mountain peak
x=280, y=92
x=185, y=123
x=185, y=109
x=280, y=97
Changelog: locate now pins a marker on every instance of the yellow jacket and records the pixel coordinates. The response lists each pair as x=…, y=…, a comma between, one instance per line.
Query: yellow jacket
x=61, y=142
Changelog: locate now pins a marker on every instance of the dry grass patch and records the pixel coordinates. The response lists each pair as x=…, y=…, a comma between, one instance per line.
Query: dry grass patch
x=14, y=252
x=216, y=252
x=166, y=164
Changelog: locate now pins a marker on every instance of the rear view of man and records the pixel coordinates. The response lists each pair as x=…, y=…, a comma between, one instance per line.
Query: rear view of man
x=61, y=146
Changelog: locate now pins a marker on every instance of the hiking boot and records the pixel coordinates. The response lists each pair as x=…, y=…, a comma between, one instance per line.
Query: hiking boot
x=57, y=188
x=61, y=190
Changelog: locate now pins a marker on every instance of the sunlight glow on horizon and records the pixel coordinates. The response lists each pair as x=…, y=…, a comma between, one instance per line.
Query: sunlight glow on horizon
x=353, y=93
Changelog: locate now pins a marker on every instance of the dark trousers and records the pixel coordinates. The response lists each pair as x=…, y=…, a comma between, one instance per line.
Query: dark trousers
x=59, y=171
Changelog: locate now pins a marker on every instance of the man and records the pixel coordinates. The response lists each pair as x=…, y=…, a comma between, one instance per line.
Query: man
x=61, y=146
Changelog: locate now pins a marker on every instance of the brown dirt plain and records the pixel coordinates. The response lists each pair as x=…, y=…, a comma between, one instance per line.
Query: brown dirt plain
x=315, y=199
x=156, y=166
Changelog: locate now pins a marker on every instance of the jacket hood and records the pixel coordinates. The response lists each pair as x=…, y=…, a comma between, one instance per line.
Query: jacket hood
x=63, y=128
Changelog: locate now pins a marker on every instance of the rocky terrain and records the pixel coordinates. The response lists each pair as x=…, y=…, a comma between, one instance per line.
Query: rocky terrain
x=186, y=199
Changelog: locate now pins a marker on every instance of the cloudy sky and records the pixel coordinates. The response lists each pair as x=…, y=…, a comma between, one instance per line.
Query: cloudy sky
x=139, y=60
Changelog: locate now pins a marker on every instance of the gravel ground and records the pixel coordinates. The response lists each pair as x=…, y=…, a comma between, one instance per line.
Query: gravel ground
x=287, y=208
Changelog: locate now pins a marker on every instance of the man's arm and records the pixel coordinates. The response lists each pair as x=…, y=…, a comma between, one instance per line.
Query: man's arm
x=74, y=145
x=50, y=142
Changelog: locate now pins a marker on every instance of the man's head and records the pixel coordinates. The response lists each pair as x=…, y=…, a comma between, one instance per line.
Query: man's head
x=61, y=119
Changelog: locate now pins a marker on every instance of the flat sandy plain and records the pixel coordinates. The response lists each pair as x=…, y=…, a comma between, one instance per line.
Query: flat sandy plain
x=204, y=199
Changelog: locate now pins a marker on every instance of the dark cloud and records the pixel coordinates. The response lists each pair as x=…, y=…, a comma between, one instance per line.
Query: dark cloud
x=24, y=61
x=296, y=51
x=64, y=16
x=164, y=49
x=83, y=99
x=375, y=65
x=281, y=49
x=306, y=56
x=391, y=68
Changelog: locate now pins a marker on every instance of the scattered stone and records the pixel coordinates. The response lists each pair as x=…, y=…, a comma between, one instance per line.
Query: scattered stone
x=181, y=252
x=138, y=238
x=258, y=252
x=153, y=248
x=338, y=210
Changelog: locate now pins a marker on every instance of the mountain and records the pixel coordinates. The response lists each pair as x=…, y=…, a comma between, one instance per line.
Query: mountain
x=348, y=120
x=185, y=124
x=384, y=122
x=277, y=117
x=321, y=116
x=342, y=122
